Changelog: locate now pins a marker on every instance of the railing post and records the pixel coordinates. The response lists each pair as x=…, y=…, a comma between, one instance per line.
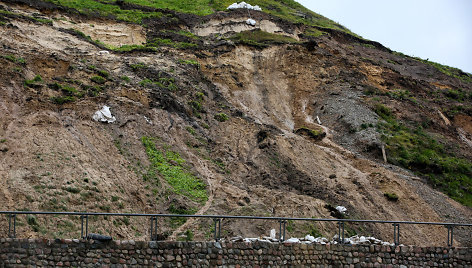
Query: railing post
x=153, y=228
x=82, y=233
x=10, y=233
x=450, y=235
x=282, y=229
x=341, y=232
x=396, y=234
x=217, y=229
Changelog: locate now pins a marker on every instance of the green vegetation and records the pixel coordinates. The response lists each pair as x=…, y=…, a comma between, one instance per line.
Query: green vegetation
x=72, y=190
x=313, y=231
x=158, y=42
x=103, y=73
x=71, y=93
x=221, y=117
x=191, y=130
x=18, y=15
x=13, y=59
x=313, y=32
x=398, y=94
x=3, y=140
x=161, y=82
x=450, y=71
x=287, y=9
x=190, y=62
x=457, y=94
x=34, y=82
x=125, y=78
x=417, y=150
x=169, y=165
x=108, y=9
x=62, y=99
x=367, y=45
x=391, y=196
x=98, y=79
x=33, y=222
x=312, y=133
x=137, y=66
x=261, y=39
x=177, y=221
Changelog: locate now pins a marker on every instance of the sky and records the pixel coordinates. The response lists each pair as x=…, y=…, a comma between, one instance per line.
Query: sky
x=438, y=30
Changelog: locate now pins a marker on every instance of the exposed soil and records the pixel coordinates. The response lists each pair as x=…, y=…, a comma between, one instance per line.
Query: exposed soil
x=54, y=157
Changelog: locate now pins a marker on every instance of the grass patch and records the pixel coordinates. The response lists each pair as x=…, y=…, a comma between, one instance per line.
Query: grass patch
x=98, y=79
x=169, y=165
x=125, y=78
x=14, y=59
x=108, y=9
x=158, y=42
x=287, y=9
x=190, y=62
x=447, y=70
x=261, y=39
x=418, y=151
x=62, y=99
x=34, y=83
x=161, y=82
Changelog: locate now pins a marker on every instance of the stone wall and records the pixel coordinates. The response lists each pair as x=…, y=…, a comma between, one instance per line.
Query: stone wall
x=80, y=253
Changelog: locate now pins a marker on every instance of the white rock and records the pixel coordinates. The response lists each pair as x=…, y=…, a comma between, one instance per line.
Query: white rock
x=341, y=209
x=272, y=234
x=104, y=115
x=103, y=52
x=292, y=240
x=251, y=22
x=148, y=120
x=310, y=238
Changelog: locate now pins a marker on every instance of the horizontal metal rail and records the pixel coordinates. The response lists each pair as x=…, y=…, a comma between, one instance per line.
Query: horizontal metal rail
x=217, y=223
x=229, y=217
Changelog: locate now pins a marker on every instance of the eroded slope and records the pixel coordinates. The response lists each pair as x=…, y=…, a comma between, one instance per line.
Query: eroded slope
x=226, y=116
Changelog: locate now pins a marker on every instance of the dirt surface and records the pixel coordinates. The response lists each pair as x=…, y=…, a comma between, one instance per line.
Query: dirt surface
x=55, y=157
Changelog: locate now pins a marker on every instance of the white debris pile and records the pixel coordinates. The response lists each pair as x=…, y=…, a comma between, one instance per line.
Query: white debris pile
x=244, y=5
x=354, y=240
x=251, y=22
x=362, y=240
x=104, y=115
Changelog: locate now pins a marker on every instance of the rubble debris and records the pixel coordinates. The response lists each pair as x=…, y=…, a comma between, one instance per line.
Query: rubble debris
x=244, y=5
x=104, y=115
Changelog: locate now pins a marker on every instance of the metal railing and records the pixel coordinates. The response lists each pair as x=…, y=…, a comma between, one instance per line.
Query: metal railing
x=83, y=216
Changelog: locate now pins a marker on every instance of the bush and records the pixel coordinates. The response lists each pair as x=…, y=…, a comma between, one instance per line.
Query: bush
x=62, y=99
x=221, y=117
x=98, y=79
x=312, y=133
x=391, y=196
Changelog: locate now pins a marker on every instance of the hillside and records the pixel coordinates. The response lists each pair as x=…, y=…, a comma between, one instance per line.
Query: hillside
x=215, y=116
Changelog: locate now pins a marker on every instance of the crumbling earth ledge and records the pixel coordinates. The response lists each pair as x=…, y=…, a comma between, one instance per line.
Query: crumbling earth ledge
x=89, y=253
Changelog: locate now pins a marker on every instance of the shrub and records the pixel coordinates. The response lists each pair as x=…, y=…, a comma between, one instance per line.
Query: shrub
x=221, y=117
x=34, y=82
x=312, y=133
x=391, y=196
x=98, y=79
x=62, y=99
